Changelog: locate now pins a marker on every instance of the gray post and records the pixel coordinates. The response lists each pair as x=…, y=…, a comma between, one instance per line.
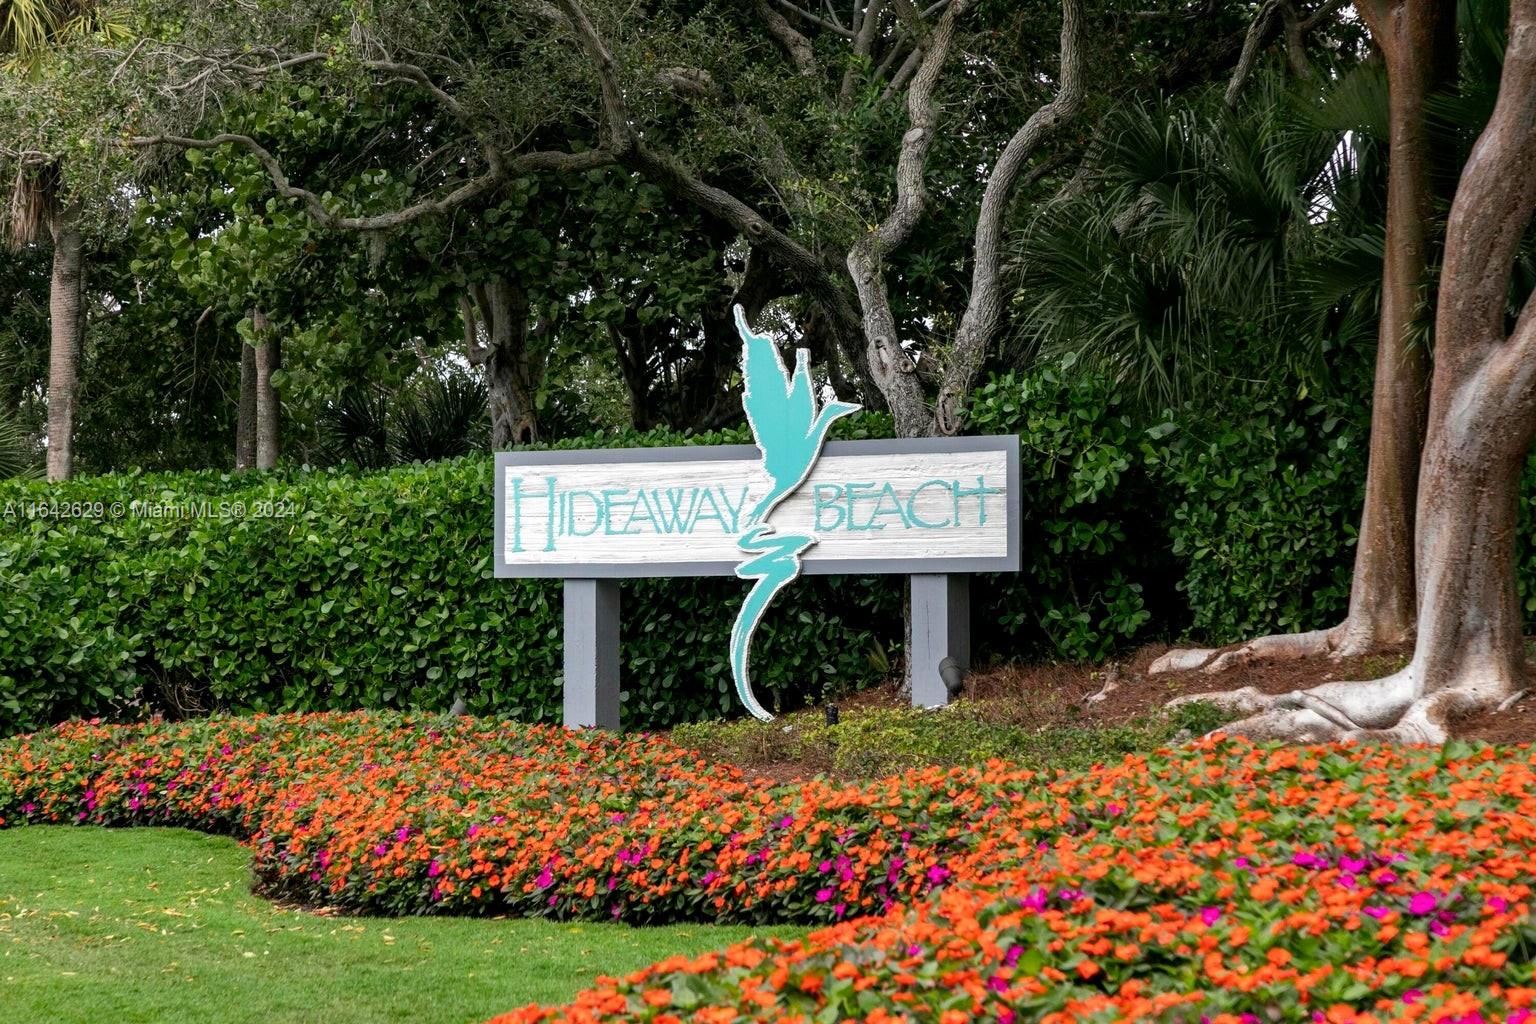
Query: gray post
x=592, y=654
x=941, y=628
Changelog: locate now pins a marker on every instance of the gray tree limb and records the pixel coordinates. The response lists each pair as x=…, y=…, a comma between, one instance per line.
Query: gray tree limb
x=984, y=311
x=801, y=53
x=677, y=181
x=1253, y=44
x=889, y=365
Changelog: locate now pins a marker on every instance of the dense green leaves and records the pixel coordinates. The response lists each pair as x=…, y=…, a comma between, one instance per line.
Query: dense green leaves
x=321, y=590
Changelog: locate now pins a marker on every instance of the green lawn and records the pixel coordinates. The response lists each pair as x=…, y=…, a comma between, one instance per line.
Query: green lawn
x=159, y=925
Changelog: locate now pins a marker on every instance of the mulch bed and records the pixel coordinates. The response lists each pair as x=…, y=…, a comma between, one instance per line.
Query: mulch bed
x=1053, y=695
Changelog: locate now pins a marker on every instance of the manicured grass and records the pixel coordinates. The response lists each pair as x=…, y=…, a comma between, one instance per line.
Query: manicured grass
x=870, y=742
x=159, y=925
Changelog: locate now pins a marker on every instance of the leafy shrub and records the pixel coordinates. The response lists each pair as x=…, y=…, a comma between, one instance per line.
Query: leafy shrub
x=368, y=591
x=1222, y=523
x=1262, y=509
x=1097, y=569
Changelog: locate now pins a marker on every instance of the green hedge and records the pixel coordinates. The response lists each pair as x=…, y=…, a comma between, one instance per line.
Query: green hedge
x=378, y=593
x=1263, y=504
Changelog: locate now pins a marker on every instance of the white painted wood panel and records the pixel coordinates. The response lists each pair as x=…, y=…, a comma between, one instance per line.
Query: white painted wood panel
x=931, y=505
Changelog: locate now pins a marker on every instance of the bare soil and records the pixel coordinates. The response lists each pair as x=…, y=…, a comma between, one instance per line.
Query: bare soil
x=1051, y=695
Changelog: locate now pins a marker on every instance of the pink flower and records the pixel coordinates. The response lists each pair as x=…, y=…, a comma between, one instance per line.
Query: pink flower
x=1210, y=915
x=434, y=869
x=1412, y=996
x=545, y=879
x=823, y=895
x=1423, y=903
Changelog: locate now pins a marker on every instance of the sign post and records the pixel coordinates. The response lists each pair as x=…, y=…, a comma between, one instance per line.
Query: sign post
x=934, y=509
x=592, y=654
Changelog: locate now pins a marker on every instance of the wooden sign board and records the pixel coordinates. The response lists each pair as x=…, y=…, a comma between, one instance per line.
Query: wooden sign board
x=920, y=506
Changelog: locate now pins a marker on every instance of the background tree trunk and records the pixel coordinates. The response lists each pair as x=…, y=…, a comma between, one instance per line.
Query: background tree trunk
x=67, y=329
x=269, y=359
x=245, y=423
x=1418, y=40
x=1469, y=652
x=496, y=332
x=1482, y=413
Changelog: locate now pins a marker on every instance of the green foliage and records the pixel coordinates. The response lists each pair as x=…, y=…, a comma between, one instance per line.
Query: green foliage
x=877, y=741
x=1262, y=509
x=375, y=590
x=440, y=417
x=1095, y=566
x=1214, y=244
x=313, y=590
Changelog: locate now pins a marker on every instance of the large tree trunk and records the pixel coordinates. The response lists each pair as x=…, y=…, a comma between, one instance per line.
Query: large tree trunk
x=496, y=339
x=1468, y=652
x=269, y=359
x=1418, y=41
x=245, y=423
x=67, y=329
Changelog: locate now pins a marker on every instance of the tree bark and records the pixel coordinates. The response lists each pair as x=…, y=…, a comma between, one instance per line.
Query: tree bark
x=892, y=370
x=1468, y=651
x=1482, y=413
x=66, y=331
x=268, y=359
x=496, y=335
x=1418, y=40
x=245, y=422
x=983, y=313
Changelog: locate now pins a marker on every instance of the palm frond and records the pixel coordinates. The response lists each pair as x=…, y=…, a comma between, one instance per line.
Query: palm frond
x=446, y=417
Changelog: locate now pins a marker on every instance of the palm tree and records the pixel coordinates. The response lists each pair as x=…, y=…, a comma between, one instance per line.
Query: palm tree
x=39, y=200
x=1217, y=242
x=16, y=448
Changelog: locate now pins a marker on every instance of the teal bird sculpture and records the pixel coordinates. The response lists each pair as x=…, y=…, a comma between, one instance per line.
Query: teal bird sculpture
x=782, y=412
x=790, y=432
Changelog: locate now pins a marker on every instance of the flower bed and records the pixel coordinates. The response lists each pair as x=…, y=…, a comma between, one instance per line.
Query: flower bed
x=1220, y=881
x=381, y=813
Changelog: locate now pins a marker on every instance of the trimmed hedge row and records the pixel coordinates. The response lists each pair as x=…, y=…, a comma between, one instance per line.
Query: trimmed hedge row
x=376, y=591
x=372, y=591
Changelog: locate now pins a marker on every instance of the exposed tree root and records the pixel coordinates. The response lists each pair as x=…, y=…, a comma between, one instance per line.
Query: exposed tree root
x=1111, y=684
x=1392, y=710
x=1336, y=642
